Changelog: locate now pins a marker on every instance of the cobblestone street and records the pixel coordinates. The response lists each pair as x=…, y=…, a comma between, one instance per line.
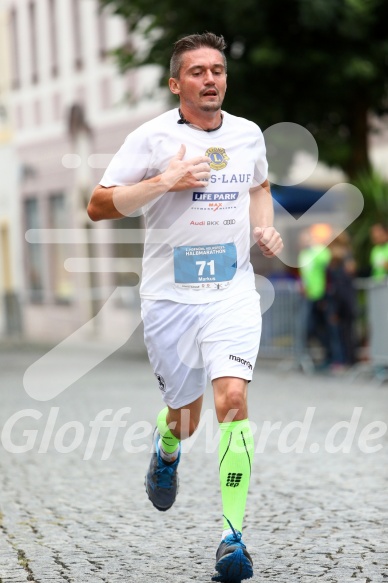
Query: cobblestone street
x=318, y=512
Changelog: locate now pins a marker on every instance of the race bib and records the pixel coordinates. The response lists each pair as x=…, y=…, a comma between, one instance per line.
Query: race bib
x=205, y=266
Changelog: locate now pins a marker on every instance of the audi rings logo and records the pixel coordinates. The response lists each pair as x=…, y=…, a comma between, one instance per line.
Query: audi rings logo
x=229, y=222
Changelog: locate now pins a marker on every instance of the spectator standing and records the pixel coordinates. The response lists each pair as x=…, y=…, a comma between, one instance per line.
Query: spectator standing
x=341, y=302
x=379, y=253
x=313, y=261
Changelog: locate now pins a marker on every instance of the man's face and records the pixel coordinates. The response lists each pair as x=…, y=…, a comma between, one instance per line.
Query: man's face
x=378, y=235
x=202, y=80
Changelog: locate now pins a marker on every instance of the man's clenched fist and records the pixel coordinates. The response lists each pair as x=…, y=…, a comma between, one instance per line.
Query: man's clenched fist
x=269, y=240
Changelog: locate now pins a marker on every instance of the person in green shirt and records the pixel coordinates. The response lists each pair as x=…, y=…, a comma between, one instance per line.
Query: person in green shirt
x=313, y=260
x=379, y=253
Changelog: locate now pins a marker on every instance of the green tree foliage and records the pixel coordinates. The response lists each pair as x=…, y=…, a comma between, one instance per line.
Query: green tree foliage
x=320, y=63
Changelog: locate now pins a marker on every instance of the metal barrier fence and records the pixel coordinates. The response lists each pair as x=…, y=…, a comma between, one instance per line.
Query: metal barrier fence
x=285, y=324
x=374, y=303
x=377, y=310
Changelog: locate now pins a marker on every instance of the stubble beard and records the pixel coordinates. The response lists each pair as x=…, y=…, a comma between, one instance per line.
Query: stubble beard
x=211, y=106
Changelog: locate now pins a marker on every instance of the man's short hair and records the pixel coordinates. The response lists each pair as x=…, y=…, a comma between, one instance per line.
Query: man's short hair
x=191, y=43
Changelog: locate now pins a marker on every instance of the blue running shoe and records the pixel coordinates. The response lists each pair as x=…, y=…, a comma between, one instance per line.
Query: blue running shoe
x=233, y=562
x=161, y=481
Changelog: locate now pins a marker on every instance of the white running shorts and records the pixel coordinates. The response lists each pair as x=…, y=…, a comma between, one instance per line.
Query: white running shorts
x=189, y=343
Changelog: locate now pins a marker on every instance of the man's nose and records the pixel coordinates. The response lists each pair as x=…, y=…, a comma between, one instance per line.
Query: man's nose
x=209, y=78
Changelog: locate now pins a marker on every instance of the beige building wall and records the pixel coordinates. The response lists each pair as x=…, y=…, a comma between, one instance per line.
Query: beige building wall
x=10, y=271
x=71, y=110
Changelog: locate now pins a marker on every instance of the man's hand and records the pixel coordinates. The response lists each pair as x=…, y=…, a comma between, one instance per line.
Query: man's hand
x=269, y=240
x=184, y=174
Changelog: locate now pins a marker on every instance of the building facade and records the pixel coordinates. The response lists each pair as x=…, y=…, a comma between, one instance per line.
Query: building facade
x=71, y=110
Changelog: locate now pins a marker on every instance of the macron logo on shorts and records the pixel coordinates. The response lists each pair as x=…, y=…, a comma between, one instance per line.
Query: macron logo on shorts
x=241, y=360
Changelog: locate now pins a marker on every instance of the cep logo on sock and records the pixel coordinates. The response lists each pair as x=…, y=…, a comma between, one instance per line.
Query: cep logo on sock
x=233, y=480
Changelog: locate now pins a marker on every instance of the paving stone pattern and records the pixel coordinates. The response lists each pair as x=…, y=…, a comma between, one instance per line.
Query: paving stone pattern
x=310, y=516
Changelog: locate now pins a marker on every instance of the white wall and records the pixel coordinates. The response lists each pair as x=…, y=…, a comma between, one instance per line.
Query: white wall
x=41, y=143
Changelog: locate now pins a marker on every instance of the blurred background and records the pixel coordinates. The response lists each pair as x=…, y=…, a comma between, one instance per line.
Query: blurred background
x=76, y=76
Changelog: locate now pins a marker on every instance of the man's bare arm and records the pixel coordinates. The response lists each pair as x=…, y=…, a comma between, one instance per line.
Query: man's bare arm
x=262, y=216
x=116, y=202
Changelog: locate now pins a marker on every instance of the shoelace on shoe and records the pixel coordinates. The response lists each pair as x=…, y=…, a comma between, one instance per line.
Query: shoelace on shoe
x=165, y=474
x=236, y=536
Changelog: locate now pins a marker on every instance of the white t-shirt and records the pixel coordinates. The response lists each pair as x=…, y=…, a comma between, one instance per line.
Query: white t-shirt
x=197, y=241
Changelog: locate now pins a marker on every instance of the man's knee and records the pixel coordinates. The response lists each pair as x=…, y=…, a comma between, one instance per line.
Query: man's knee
x=232, y=405
x=230, y=398
x=235, y=398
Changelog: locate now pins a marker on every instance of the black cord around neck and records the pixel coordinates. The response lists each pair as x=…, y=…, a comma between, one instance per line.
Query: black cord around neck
x=183, y=120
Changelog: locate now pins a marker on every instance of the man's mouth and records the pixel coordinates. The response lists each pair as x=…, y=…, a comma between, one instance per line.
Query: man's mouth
x=210, y=92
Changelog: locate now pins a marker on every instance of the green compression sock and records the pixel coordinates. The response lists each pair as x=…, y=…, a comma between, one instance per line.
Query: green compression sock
x=236, y=451
x=169, y=441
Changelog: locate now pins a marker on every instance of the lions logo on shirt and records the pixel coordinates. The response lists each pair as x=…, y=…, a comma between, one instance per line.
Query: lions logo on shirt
x=218, y=158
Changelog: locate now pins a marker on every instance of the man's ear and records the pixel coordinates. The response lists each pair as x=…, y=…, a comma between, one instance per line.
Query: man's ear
x=174, y=85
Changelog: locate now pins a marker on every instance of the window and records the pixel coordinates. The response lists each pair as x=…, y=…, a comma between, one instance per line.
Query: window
x=105, y=90
x=33, y=42
x=34, y=256
x=76, y=17
x=53, y=37
x=19, y=117
x=15, y=58
x=61, y=279
x=57, y=107
x=102, y=24
x=37, y=113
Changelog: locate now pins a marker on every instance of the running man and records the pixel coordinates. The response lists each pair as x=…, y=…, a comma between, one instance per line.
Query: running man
x=200, y=176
